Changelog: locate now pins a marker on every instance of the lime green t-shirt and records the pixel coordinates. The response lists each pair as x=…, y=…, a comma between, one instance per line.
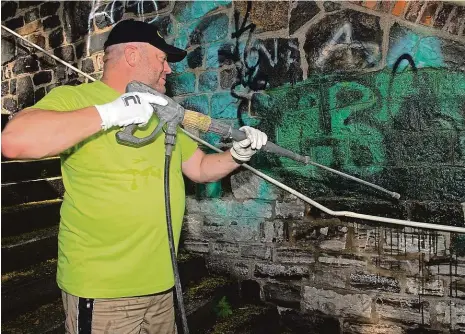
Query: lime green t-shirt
x=113, y=239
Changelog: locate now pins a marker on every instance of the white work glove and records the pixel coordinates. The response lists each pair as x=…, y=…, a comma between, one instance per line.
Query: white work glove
x=244, y=149
x=129, y=108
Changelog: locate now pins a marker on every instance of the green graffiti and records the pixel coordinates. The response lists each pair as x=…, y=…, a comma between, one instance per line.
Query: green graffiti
x=344, y=121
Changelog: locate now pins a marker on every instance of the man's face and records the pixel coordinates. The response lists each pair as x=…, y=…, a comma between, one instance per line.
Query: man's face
x=155, y=68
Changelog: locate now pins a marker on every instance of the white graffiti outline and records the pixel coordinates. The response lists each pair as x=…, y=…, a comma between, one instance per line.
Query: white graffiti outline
x=371, y=50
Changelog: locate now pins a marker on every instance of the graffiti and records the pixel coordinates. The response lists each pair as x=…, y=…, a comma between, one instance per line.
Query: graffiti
x=424, y=50
x=349, y=123
x=260, y=58
x=343, y=40
x=109, y=13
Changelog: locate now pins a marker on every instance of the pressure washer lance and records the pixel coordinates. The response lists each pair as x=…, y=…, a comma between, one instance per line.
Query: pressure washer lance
x=173, y=112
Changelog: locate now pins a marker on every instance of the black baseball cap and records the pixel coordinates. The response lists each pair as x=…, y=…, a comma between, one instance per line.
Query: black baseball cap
x=127, y=31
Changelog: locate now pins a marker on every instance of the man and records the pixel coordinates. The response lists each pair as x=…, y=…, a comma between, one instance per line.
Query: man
x=114, y=266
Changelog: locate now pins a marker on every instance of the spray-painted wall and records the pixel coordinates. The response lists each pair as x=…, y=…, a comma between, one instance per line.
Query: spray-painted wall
x=375, y=89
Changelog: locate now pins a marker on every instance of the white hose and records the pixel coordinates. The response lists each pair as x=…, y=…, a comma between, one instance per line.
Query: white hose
x=279, y=184
x=338, y=213
x=48, y=54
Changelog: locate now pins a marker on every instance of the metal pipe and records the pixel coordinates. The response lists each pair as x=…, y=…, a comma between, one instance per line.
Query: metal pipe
x=281, y=185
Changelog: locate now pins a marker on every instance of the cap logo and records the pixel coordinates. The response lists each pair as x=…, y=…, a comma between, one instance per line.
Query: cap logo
x=158, y=33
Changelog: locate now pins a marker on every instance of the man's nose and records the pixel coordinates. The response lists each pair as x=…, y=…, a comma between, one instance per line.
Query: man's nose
x=167, y=68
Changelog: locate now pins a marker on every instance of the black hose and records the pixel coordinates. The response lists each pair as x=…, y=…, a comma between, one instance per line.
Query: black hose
x=177, y=281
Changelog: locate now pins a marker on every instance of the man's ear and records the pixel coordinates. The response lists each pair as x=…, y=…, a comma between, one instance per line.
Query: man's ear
x=132, y=55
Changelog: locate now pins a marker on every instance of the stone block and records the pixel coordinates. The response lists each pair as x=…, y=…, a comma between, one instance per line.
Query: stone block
x=208, y=81
x=39, y=94
x=192, y=227
x=413, y=10
x=419, y=286
x=30, y=28
x=49, y=8
x=42, y=77
x=367, y=281
x=76, y=15
x=9, y=104
x=256, y=252
x=247, y=185
x=8, y=49
x=294, y=209
x=13, y=86
x=219, y=54
x=212, y=29
x=223, y=105
x=237, y=268
x=285, y=295
x=330, y=279
x=266, y=16
x=181, y=84
x=88, y=65
x=8, y=9
x=339, y=34
x=31, y=15
x=443, y=14
x=80, y=48
x=336, y=243
x=195, y=58
x=225, y=249
x=5, y=88
x=188, y=11
x=15, y=23
x=55, y=38
x=356, y=328
x=228, y=78
x=428, y=14
x=231, y=208
x=196, y=246
x=231, y=229
x=343, y=304
x=65, y=53
x=198, y=103
x=294, y=255
x=97, y=41
x=451, y=313
x=331, y=6
x=25, y=92
x=341, y=261
x=280, y=271
x=407, y=267
x=51, y=22
x=38, y=39
x=272, y=231
x=301, y=13
x=27, y=64
x=455, y=20
x=403, y=309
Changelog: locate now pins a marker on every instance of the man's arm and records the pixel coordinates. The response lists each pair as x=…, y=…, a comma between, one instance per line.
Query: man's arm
x=202, y=168
x=37, y=133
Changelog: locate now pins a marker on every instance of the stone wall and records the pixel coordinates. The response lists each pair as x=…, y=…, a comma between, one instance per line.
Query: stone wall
x=375, y=89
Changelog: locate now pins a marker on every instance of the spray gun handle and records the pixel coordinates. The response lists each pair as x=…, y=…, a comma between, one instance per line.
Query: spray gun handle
x=126, y=136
